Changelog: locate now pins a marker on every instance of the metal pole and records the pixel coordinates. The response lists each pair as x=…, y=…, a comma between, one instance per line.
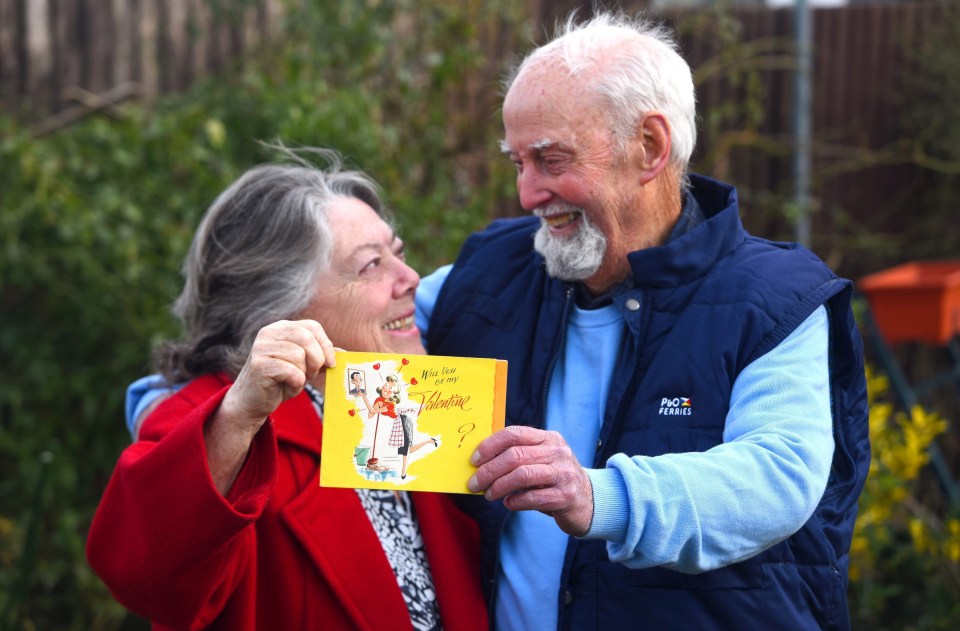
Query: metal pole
x=802, y=118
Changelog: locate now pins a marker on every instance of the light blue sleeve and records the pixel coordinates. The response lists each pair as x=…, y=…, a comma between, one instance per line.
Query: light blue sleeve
x=140, y=394
x=426, y=298
x=695, y=512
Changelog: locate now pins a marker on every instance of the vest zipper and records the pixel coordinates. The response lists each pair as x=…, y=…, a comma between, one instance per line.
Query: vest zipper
x=564, y=569
x=491, y=605
x=558, y=350
x=604, y=424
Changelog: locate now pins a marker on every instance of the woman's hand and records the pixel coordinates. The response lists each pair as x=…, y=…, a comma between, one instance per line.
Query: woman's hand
x=285, y=356
x=366, y=402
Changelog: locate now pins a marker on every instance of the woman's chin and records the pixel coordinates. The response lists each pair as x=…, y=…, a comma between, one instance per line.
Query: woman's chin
x=403, y=341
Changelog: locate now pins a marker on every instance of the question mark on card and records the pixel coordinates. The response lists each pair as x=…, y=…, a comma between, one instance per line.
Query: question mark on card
x=465, y=429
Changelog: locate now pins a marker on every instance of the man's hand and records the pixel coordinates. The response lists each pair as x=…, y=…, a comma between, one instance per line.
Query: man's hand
x=285, y=356
x=533, y=469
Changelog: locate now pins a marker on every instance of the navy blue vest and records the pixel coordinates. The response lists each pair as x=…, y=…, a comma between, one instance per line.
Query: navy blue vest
x=710, y=302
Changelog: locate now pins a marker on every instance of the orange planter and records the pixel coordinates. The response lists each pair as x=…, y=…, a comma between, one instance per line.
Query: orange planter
x=917, y=301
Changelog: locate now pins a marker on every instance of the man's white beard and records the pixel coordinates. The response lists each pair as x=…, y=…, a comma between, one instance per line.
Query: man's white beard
x=574, y=258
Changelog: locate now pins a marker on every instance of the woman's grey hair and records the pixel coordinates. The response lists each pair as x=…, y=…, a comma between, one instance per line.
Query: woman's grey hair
x=256, y=257
x=634, y=64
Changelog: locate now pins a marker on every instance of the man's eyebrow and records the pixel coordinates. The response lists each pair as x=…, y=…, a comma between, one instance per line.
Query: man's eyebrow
x=543, y=143
x=536, y=145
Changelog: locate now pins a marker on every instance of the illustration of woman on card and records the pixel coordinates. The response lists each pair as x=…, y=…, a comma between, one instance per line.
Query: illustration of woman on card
x=401, y=433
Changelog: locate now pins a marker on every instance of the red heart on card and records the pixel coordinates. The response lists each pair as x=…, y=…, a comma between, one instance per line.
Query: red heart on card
x=351, y=412
x=376, y=366
x=413, y=381
x=404, y=361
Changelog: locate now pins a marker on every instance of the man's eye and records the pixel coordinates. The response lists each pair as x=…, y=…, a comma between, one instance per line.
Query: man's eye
x=518, y=165
x=552, y=164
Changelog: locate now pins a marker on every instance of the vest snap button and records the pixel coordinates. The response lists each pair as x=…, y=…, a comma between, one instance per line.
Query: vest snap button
x=567, y=597
x=632, y=304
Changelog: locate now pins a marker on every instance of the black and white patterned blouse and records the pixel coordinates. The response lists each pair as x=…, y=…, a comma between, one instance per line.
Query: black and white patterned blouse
x=392, y=516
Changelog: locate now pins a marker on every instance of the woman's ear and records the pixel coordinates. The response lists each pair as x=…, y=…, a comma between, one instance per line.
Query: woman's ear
x=652, y=146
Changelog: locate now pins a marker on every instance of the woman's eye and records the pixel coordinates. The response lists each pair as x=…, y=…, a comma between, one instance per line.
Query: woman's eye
x=372, y=264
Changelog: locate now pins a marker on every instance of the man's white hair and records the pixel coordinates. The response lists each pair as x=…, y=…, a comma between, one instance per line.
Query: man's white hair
x=634, y=65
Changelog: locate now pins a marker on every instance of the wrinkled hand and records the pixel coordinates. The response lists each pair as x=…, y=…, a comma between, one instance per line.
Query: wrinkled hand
x=285, y=356
x=533, y=469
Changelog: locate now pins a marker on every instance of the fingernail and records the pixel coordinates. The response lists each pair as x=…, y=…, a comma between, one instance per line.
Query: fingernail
x=475, y=458
x=472, y=484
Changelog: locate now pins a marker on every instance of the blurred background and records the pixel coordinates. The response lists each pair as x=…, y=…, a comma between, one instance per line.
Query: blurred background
x=120, y=121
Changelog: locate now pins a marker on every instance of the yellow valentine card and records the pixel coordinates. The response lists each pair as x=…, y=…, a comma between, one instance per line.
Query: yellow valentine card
x=408, y=422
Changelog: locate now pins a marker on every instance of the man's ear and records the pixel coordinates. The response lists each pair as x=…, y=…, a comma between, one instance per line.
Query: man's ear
x=652, y=145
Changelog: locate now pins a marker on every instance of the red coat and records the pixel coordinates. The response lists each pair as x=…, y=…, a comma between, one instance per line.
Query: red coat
x=280, y=552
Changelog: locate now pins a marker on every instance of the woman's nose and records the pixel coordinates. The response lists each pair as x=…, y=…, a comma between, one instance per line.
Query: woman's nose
x=407, y=278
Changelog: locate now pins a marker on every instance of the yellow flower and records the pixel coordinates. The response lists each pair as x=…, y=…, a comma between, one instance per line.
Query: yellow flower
x=952, y=544
x=900, y=447
x=918, y=532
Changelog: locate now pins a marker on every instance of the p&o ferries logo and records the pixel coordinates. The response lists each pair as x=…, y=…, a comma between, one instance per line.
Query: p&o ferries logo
x=677, y=406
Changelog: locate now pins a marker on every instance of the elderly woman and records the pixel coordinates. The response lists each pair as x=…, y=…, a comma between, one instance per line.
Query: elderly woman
x=214, y=517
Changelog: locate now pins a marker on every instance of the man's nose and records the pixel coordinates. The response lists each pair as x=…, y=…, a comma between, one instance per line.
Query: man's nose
x=531, y=189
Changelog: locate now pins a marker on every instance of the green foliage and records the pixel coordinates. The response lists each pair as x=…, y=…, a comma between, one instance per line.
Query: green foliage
x=931, y=111
x=905, y=557
x=95, y=220
x=94, y=223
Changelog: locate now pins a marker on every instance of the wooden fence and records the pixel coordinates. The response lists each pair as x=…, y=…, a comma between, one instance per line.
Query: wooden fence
x=60, y=59
x=64, y=57
x=861, y=70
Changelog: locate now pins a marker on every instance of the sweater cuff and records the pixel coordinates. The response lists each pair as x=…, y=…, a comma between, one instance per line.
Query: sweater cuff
x=611, y=507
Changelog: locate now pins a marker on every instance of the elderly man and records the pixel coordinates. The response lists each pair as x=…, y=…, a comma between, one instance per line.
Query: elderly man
x=687, y=405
